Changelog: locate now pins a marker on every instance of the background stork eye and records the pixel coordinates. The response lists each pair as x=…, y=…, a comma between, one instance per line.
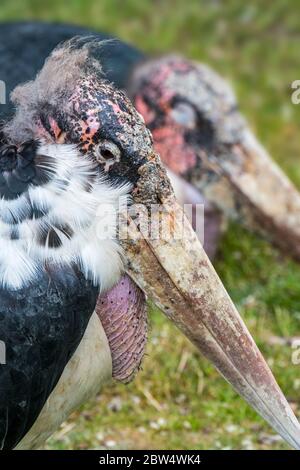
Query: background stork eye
x=108, y=152
x=185, y=115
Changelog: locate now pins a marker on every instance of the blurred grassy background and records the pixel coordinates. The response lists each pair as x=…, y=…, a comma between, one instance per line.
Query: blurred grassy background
x=178, y=401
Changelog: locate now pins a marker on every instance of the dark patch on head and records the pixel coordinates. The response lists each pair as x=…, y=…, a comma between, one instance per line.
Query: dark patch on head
x=204, y=135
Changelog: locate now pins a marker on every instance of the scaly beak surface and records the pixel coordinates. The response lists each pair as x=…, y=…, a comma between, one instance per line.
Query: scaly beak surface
x=178, y=276
x=253, y=189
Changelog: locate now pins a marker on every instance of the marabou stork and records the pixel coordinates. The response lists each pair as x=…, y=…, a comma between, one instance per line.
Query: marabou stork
x=73, y=157
x=211, y=154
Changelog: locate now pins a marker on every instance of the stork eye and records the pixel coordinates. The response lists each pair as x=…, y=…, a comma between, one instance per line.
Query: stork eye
x=108, y=152
x=185, y=115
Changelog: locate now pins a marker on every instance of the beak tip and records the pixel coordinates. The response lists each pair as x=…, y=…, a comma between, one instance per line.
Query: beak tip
x=193, y=297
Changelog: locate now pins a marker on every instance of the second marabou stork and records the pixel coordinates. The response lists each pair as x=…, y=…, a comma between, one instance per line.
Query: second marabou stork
x=211, y=154
x=74, y=156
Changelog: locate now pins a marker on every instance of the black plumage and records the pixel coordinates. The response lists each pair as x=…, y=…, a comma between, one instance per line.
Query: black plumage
x=41, y=326
x=22, y=167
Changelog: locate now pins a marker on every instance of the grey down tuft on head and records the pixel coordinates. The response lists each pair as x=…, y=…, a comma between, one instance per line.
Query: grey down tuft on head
x=69, y=62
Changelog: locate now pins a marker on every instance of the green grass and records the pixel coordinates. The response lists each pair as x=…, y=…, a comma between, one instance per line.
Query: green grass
x=256, y=45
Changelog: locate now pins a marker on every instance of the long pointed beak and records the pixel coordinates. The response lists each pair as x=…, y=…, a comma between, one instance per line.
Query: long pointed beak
x=177, y=274
x=253, y=189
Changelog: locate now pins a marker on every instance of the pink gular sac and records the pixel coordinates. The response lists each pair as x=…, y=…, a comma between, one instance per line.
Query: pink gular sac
x=123, y=314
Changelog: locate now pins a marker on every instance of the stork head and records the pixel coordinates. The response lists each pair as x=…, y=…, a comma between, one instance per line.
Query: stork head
x=201, y=135
x=71, y=104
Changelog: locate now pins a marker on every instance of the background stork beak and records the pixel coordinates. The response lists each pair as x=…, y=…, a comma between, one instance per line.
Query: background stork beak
x=253, y=189
x=177, y=274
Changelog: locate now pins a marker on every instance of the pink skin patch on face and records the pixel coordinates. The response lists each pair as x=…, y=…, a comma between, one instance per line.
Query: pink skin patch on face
x=44, y=135
x=55, y=128
x=162, y=74
x=88, y=129
x=115, y=107
x=168, y=136
x=144, y=110
x=168, y=139
x=172, y=148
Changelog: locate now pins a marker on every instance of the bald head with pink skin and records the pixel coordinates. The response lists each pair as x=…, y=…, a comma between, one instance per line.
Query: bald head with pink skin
x=202, y=137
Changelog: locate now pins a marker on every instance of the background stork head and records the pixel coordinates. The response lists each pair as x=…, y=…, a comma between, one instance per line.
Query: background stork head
x=200, y=134
x=71, y=103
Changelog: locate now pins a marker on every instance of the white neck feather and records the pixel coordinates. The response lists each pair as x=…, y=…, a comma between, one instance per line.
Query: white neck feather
x=77, y=198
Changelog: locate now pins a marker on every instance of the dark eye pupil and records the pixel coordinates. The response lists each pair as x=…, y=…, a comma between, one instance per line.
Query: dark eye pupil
x=107, y=154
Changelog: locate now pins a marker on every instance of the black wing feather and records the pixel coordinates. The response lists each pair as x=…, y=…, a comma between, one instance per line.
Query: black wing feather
x=41, y=326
